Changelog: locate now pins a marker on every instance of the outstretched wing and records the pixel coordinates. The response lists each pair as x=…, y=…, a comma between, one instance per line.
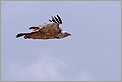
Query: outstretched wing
x=54, y=19
x=50, y=31
x=47, y=30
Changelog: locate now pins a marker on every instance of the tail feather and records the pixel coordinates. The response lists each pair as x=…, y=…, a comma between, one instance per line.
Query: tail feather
x=21, y=34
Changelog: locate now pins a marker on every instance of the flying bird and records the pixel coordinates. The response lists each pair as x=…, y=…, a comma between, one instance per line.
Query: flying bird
x=49, y=30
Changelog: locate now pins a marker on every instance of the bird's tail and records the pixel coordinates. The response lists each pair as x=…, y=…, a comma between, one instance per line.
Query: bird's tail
x=20, y=34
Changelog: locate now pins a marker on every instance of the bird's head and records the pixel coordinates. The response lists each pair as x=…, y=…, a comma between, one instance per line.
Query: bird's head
x=64, y=34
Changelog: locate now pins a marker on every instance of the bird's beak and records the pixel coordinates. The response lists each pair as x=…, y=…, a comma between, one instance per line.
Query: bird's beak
x=70, y=35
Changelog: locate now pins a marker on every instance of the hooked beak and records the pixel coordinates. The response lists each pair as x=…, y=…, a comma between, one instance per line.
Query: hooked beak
x=70, y=34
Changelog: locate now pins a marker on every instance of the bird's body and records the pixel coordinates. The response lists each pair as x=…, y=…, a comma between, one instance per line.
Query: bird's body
x=49, y=30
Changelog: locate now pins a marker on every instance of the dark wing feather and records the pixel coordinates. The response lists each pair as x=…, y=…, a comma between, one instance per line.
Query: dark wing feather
x=59, y=19
x=56, y=19
x=50, y=20
x=53, y=20
x=34, y=28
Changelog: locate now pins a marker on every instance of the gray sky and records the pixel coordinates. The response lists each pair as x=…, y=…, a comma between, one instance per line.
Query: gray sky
x=91, y=53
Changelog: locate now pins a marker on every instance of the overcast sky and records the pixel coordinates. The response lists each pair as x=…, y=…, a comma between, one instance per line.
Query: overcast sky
x=92, y=53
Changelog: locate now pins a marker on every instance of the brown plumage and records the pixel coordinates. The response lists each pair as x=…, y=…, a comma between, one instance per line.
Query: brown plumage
x=50, y=30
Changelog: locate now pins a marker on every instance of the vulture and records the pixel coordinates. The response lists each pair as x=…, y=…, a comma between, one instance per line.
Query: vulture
x=49, y=30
